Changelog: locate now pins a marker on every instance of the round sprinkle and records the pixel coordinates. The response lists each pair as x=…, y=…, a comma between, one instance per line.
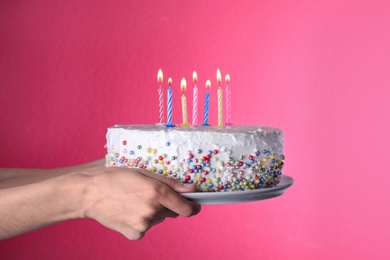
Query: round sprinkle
x=124, y=142
x=199, y=151
x=131, y=152
x=139, y=146
x=167, y=143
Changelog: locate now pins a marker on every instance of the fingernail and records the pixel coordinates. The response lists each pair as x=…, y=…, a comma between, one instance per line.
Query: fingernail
x=188, y=185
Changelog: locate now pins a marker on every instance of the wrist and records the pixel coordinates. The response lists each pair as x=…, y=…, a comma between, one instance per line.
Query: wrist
x=76, y=190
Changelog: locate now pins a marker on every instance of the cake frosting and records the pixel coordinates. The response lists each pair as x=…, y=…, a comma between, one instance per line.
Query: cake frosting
x=232, y=158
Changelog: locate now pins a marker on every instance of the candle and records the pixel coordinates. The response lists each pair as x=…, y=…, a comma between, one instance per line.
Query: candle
x=206, y=104
x=228, y=105
x=183, y=86
x=160, y=96
x=195, y=100
x=220, y=110
x=169, y=124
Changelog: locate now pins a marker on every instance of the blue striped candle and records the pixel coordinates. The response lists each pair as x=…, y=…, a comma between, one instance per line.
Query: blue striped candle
x=206, y=104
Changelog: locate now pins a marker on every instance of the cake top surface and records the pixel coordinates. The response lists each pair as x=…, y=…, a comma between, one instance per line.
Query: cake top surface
x=226, y=129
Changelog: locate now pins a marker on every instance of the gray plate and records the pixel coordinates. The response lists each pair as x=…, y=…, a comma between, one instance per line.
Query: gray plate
x=240, y=196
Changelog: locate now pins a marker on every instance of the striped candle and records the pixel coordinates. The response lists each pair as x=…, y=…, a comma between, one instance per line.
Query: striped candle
x=228, y=105
x=195, y=100
x=160, y=96
x=169, y=124
x=220, y=110
x=206, y=104
x=183, y=86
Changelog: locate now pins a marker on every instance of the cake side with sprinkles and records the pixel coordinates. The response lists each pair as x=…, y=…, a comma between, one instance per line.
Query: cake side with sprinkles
x=232, y=158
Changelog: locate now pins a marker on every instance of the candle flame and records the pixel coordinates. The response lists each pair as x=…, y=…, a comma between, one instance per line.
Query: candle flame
x=169, y=81
x=208, y=84
x=227, y=78
x=195, y=77
x=219, y=76
x=159, y=76
x=183, y=84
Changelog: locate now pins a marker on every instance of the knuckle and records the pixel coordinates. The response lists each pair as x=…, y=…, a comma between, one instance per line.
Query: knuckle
x=143, y=225
x=191, y=210
x=135, y=235
x=171, y=182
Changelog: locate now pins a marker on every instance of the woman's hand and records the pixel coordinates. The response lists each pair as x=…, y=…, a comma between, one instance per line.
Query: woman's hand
x=131, y=201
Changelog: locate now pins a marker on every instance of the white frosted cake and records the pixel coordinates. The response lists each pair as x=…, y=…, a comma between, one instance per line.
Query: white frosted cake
x=232, y=158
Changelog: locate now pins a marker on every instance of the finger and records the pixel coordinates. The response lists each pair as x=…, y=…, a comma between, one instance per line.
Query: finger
x=166, y=213
x=172, y=200
x=175, y=185
x=169, y=197
x=156, y=221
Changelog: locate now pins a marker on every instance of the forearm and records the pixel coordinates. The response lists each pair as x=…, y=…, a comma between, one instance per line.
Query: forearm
x=12, y=177
x=32, y=206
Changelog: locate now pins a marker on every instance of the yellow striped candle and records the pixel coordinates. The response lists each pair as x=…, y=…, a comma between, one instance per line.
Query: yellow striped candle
x=220, y=105
x=183, y=86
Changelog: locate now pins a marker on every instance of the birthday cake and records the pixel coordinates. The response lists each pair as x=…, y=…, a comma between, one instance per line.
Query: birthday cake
x=230, y=158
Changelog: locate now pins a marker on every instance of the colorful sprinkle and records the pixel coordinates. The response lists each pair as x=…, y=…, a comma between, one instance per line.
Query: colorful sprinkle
x=209, y=172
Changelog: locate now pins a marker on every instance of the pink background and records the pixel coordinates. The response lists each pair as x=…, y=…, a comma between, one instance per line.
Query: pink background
x=319, y=70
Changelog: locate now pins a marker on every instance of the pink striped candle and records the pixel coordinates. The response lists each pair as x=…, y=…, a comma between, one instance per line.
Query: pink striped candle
x=228, y=104
x=160, y=96
x=195, y=100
